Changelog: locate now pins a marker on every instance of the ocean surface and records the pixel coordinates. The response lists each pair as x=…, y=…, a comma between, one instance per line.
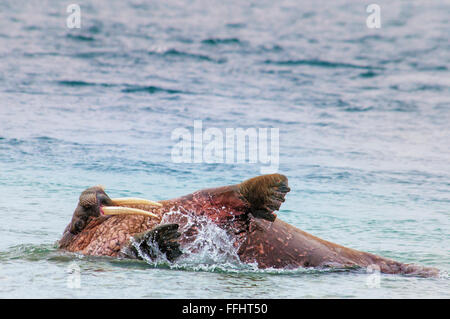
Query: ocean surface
x=364, y=136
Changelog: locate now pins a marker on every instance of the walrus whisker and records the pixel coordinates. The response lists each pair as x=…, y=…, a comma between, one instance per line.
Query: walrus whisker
x=126, y=201
x=120, y=210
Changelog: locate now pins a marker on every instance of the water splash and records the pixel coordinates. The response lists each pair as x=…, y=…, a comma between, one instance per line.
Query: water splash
x=211, y=249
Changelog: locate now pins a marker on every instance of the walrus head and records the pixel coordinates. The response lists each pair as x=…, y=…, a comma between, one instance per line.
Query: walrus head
x=95, y=206
x=94, y=203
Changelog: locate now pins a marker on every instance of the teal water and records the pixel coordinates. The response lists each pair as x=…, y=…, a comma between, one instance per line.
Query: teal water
x=364, y=129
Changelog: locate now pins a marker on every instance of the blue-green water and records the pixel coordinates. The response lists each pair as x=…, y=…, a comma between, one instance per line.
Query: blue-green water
x=363, y=116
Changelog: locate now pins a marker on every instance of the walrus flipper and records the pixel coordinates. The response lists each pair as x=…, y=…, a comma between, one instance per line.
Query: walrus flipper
x=161, y=239
x=265, y=194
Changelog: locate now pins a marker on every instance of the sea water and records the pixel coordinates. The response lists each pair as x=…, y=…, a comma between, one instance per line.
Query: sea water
x=362, y=114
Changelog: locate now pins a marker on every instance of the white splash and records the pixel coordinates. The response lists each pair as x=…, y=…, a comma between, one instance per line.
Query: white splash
x=211, y=246
x=211, y=249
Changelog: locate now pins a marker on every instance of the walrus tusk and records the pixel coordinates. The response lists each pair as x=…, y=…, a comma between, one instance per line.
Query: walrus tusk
x=120, y=210
x=124, y=201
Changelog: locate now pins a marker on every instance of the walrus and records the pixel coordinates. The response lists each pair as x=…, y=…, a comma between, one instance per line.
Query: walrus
x=138, y=228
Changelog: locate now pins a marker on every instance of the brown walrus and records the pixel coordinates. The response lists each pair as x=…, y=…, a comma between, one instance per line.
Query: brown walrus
x=130, y=227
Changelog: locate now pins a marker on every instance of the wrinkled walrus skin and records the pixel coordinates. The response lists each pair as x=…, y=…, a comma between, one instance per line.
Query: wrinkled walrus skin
x=245, y=211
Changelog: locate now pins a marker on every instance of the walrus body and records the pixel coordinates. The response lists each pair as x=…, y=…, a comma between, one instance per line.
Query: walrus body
x=245, y=211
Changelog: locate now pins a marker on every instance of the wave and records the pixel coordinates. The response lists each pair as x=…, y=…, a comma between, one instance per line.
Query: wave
x=218, y=41
x=83, y=83
x=151, y=89
x=27, y=252
x=188, y=55
x=368, y=74
x=319, y=63
x=126, y=88
x=79, y=37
